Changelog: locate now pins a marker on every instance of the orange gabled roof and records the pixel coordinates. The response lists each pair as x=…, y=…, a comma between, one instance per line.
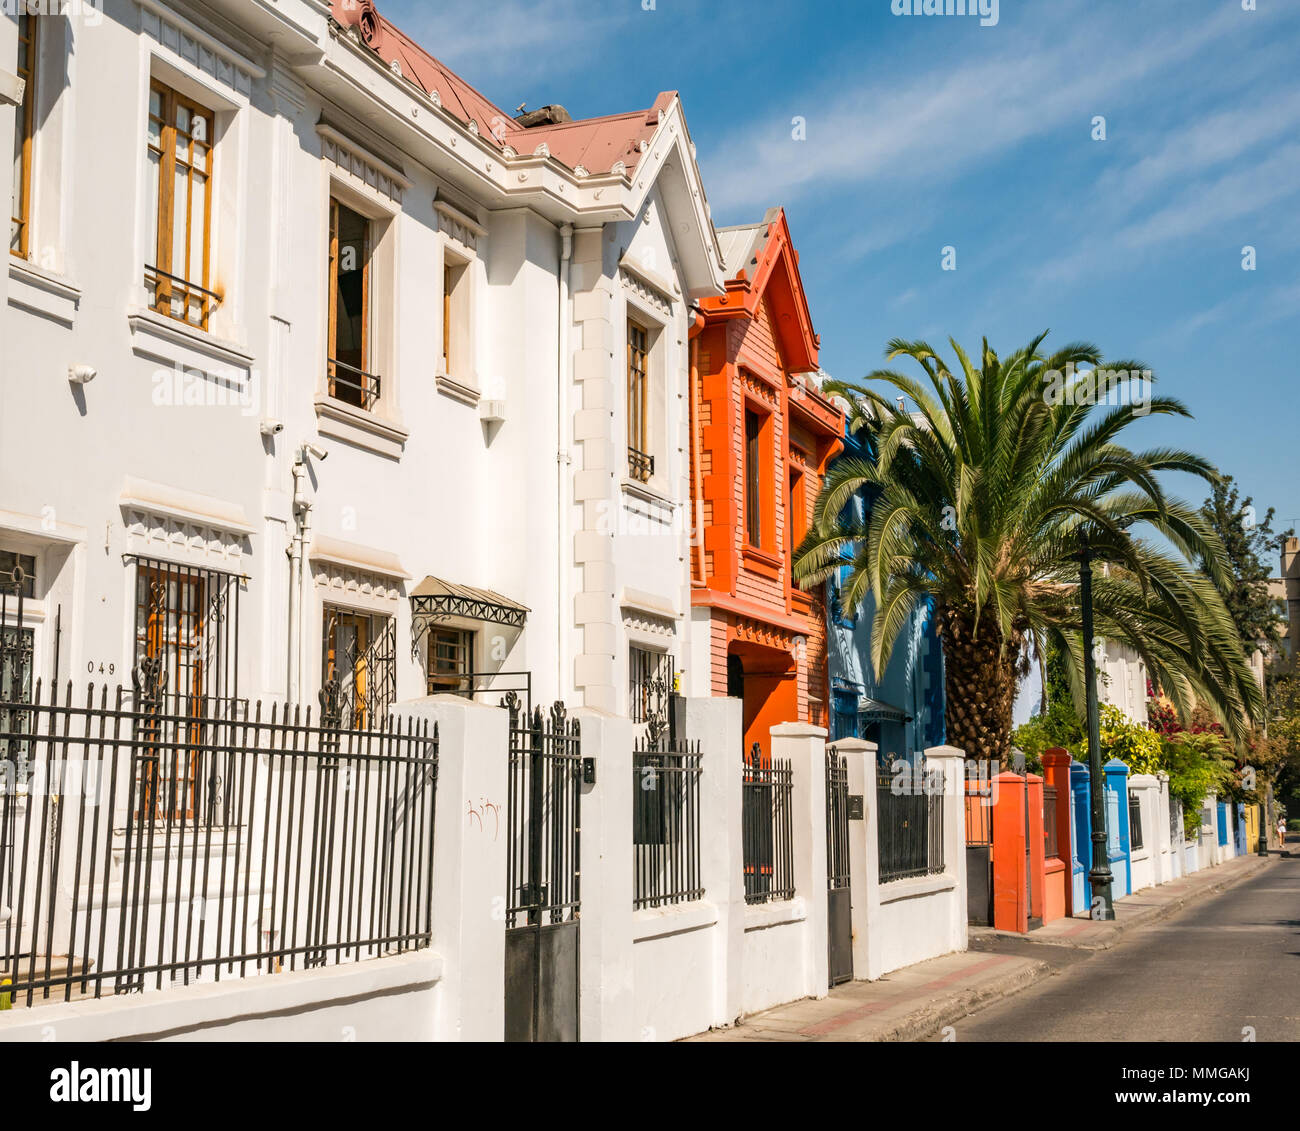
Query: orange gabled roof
x=597, y=144
x=761, y=262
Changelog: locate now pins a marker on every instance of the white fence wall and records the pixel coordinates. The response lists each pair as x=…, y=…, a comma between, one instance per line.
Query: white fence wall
x=1144, y=791
x=905, y=921
x=656, y=974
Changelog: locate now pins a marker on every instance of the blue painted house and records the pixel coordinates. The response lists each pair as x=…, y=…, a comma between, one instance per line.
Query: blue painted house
x=900, y=709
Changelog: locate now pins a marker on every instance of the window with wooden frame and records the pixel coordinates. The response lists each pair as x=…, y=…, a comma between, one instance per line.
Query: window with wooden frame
x=640, y=462
x=24, y=137
x=451, y=661
x=350, y=246
x=446, y=317
x=178, y=171
x=796, y=521
x=755, y=476
x=457, y=360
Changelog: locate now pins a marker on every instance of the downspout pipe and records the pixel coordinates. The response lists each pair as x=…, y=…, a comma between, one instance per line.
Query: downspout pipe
x=300, y=506
x=563, y=464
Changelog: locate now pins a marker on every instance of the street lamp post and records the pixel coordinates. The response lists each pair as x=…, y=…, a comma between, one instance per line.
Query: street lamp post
x=1099, y=876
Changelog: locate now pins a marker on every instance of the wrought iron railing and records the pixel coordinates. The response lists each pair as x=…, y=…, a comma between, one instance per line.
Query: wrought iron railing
x=470, y=685
x=767, y=827
x=179, y=298
x=651, y=677
x=837, y=820
x=543, y=803
x=148, y=848
x=909, y=826
x=640, y=465
x=353, y=386
x=665, y=819
x=1051, y=846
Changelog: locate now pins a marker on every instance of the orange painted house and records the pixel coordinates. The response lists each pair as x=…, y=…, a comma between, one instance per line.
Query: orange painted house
x=762, y=436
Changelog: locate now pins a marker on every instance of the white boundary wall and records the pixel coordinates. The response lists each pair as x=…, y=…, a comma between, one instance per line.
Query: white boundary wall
x=905, y=921
x=655, y=974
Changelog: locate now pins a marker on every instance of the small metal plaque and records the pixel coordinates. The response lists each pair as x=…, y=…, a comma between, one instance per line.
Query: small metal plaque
x=589, y=771
x=855, y=807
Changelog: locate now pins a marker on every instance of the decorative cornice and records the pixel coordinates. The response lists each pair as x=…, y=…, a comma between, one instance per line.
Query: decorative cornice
x=458, y=225
x=348, y=155
x=196, y=47
x=651, y=296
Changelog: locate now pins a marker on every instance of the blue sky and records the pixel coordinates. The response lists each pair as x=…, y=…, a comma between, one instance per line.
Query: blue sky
x=931, y=131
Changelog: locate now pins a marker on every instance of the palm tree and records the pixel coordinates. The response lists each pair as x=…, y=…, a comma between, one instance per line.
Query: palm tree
x=982, y=497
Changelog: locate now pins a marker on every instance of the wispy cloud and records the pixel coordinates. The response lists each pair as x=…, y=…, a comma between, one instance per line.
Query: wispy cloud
x=507, y=46
x=939, y=123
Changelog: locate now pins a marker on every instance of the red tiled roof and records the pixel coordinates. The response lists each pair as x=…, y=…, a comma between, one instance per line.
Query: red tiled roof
x=597, y=144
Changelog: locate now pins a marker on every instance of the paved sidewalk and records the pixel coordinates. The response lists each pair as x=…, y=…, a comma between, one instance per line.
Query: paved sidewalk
x=903, y=1006
x=1138, y=910
x=917, y=1001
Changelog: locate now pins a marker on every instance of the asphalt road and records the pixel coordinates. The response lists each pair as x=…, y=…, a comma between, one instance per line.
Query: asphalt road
x=1227, y=962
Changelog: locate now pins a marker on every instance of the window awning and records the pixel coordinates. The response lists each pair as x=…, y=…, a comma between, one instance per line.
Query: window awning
x=437, y=598
x=880, y=711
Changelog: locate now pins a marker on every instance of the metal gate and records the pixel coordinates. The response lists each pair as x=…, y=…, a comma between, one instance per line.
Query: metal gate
x=839, y=911
x=979, y=843
x=542, y=894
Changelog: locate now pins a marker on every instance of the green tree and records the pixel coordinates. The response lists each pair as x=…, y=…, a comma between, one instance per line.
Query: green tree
x=1248, y=544
x=985, y=494
x=1284, y=733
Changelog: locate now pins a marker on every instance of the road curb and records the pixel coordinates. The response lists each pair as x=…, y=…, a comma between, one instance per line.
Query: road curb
x=1141, y=919
x=929, y=1019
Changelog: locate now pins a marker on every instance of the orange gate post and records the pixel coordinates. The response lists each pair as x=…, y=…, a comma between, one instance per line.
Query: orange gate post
x=1010, y=902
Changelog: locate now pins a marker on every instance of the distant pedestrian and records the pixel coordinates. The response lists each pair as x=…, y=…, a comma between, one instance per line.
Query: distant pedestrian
x=1281, y=832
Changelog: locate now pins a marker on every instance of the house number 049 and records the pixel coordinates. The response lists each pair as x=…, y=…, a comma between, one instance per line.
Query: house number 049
x=103, y=669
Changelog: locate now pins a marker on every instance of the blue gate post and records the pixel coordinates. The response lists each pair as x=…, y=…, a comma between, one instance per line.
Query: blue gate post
x=1117, y=835
x=1082, y=840
x=1240, y=827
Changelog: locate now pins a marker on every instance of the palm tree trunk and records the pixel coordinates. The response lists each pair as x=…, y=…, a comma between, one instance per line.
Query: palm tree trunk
x=979, y=685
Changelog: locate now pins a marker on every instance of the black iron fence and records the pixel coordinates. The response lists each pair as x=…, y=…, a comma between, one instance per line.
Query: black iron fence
x=542, y=815
x=767, y=827
x=909, y=826
x=145, y=847
x=837, y=821
x=665, y=819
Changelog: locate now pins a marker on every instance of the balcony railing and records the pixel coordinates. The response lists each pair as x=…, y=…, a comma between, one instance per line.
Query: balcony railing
x=640, y=465
x=353, y=386
x=179, y=298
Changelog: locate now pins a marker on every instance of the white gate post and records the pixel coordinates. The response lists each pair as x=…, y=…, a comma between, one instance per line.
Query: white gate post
x=860, y=761
x=805, y=746
x=605, y=860
x=717, y=725
x=952, y=761
x=469, y=864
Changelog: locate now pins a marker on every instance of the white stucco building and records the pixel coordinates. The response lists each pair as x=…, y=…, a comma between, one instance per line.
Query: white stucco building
x=313, y=359
x=1122, y=679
